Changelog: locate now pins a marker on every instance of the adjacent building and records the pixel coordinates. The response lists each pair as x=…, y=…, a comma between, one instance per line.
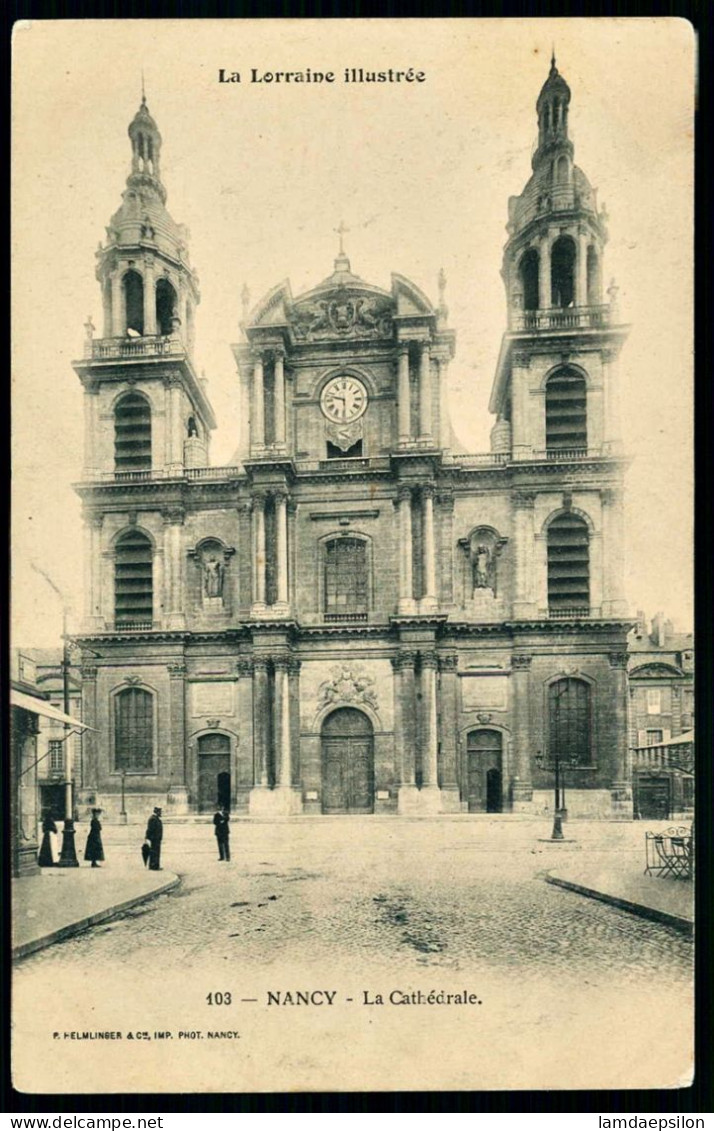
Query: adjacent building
x=661, y=676
x=356, y=616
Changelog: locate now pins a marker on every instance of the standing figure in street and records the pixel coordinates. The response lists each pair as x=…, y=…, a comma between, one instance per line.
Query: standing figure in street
x=223, y=833
x=48, y=853
x=154, y=835
x=94, y=850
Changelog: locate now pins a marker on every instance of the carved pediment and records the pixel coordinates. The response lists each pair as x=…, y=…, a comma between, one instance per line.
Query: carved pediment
x=344, y=312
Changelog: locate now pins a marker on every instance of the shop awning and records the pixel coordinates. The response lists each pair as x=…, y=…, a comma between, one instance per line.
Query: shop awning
x=41, y=707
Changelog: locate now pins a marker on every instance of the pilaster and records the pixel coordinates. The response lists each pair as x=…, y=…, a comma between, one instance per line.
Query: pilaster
x=522, y=784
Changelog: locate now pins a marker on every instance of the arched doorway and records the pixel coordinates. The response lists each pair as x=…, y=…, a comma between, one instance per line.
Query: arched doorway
x=214, y=772
x=484, y=755
x=347, y=762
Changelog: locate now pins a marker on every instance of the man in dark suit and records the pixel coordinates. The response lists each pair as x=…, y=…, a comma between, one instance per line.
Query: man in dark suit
x=222, y=830
x=154, y=835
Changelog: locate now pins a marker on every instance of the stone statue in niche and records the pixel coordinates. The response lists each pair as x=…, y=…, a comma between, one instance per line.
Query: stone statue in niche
x=482, y=549
x=213, y=571
x=211, y=558
x=482, y=572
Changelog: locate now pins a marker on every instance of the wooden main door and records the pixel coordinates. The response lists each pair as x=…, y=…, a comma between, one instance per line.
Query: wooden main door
x=214, y=771
x=347, y=762
x=484, y=771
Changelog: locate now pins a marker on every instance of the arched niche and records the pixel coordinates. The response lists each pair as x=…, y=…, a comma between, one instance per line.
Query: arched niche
x=211, y=557
x=482, y=549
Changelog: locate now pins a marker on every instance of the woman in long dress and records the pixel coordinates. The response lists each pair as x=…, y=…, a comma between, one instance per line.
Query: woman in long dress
x=46, y=859
x=94, y=850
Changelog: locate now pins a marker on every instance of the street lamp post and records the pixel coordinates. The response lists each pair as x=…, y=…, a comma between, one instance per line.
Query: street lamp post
x=68, y=854
x=558, y=761
x=122, y=815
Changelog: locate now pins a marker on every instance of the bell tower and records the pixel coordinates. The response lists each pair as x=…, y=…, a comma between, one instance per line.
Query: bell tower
x=555, y=394
x=147, y=419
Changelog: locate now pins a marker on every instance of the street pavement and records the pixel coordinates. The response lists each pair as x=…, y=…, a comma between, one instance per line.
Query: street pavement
x=567, y=992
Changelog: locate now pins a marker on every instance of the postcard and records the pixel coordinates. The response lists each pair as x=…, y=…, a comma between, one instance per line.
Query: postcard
x=353, y=670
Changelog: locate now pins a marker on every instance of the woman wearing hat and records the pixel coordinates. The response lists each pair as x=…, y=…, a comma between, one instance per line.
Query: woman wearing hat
x=48, y=852
x=94, y=850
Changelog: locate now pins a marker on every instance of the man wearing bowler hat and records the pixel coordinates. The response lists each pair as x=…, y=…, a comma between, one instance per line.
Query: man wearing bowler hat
x=154, y=835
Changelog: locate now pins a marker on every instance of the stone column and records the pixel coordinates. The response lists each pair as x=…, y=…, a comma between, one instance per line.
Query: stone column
x=613, y=536
x=281, y=528
x=158, y=585
x=405, y=731
x=430, y=800
x=279, y=380
x=521, y=786
x=447, y=544
x=177, y=797
x=544, y=273
x=90, y=432
x=294, y=665
x=90, y=768
x=106, y=566
x=621, y=764
x=175, y=424
x=149, y=296
x=118, y=312
x=257, y=439
x=428, y=601
x=406, y=579
x=425, y=426
x=173, y=522
x=245, y=766
x=258, y=551
x=525, y=549
x=404, y=394
x=448, y=730
x=581, y=278
x=93, y=570
x=444, y=417
x=611, y=433
x=521, y=438
x=281, y=724
x=261, y=708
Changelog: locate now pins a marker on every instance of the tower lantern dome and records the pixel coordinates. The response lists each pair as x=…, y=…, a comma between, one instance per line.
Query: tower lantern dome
x=145, y=143
x=552, y=109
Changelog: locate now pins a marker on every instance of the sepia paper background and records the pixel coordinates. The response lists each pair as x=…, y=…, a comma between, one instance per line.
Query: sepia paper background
x=262, y=175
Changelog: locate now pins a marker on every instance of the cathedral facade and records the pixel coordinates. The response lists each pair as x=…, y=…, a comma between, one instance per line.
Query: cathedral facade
x=356, y=616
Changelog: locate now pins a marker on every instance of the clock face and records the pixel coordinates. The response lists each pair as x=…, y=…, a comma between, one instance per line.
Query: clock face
x=343, y=399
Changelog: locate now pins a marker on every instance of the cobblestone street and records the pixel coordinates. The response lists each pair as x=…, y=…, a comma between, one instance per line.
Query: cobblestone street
x=570, y=991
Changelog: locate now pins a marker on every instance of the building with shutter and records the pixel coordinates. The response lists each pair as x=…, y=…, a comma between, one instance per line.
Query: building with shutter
x=356, y=616
x=661, y=731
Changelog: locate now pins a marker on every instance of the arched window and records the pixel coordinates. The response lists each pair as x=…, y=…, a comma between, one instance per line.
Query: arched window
x=528, y=269
x=134, y=302
x=346, y=579
x=133, y=581
x=593, y=277
x=569, y=729
x=132, y=434
x=561, y=170
x=165, y=306
x=566, y=422
x=134, y=731
x=568, y=566
x=562, y=272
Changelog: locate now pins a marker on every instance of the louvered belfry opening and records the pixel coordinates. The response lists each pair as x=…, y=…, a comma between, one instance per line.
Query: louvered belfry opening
x=568, y=565
x=566, y=423
x=132, y=434
x=346, y=579
x=133, y=581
